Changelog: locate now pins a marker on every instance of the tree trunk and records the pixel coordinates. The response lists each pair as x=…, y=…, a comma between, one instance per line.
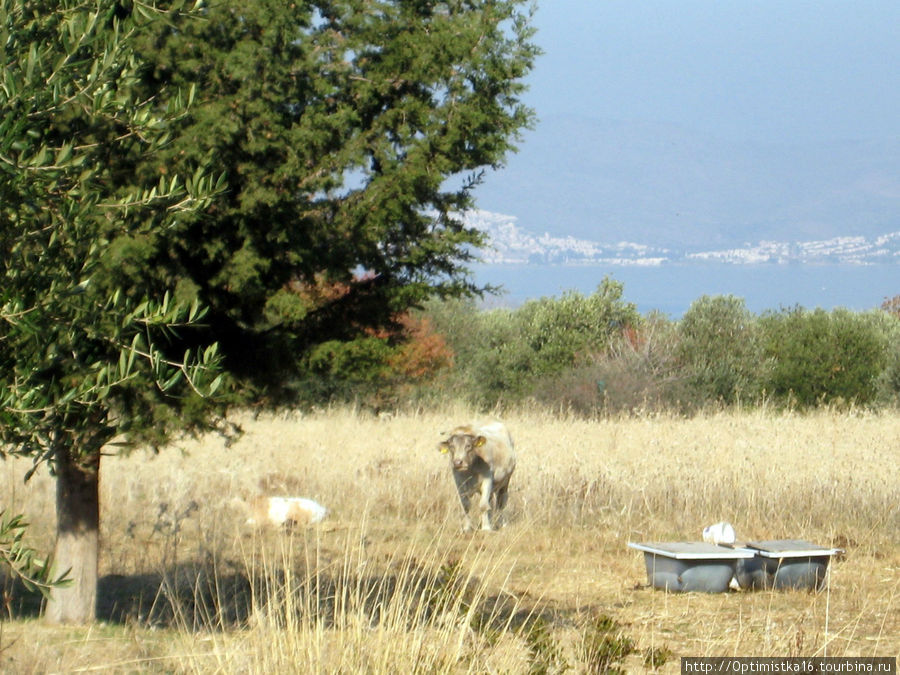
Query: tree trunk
x=77, y=537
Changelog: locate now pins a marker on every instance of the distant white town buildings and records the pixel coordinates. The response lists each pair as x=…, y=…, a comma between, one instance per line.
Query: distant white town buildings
x=510, y=244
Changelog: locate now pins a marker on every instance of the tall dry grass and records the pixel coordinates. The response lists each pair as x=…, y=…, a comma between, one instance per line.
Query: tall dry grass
x=389, y=583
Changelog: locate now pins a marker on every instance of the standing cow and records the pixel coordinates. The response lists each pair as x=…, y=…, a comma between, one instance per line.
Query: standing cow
x=482, y=458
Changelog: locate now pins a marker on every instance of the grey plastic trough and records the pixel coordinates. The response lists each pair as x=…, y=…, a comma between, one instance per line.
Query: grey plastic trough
x=785, y=564
x=691, y=566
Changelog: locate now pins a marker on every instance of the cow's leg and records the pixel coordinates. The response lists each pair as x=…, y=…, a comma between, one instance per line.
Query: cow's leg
x=467, y=521
x=463, y=488
x=484, y=504
x=501, y=496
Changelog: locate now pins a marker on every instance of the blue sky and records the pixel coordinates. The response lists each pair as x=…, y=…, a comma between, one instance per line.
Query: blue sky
x=765, y=70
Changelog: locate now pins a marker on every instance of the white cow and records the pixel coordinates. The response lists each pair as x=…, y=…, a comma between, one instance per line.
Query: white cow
x=482, y=458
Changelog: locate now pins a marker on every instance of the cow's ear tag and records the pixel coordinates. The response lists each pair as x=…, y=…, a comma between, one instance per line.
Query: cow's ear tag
x=481, y=440
x=443, y=448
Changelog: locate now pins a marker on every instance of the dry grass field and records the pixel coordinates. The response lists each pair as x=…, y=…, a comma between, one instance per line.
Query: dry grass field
x=388, y=583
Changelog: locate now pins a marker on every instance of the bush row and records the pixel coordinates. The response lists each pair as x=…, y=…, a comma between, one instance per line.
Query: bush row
x=596, y=353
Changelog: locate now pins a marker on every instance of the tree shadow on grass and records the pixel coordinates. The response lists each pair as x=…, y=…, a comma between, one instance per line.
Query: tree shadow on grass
x=200, y=597
x=145, y=599
x=194, y=596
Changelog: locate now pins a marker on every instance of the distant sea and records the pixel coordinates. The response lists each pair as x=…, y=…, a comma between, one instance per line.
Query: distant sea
x=671, y=287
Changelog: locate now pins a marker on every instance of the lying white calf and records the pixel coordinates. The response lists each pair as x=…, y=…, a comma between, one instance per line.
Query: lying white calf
x=283, y=511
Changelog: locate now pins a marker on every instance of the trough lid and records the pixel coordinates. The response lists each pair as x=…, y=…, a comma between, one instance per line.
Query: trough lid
x=693, y=550
x=790, y=548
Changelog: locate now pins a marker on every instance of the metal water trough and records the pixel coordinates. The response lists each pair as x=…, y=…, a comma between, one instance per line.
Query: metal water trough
x=691, y=566
x=785, y=564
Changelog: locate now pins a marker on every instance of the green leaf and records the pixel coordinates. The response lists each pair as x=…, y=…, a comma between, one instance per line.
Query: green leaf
x=215, y=384
x=172, y=381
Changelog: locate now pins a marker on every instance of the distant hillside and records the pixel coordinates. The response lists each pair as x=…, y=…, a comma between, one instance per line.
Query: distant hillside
x=667, y=187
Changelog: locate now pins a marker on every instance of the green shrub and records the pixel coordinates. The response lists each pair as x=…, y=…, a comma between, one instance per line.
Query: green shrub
x=604, y=645
x=888, y=382
x=503, y=355
x=824, y=357
x=545, y=654
x=719, y=350
x=638, y=372
x=557, y=331
x=656, y=657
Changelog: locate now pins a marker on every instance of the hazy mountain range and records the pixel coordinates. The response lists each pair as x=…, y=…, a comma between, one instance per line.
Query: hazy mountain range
x=584, y=190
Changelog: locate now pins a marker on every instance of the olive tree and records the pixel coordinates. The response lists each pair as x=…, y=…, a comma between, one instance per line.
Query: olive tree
x=828, y=357
x=719, y=351
x=86, y=361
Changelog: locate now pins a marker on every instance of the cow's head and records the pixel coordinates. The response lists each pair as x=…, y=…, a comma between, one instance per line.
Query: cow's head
x=462, y=448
